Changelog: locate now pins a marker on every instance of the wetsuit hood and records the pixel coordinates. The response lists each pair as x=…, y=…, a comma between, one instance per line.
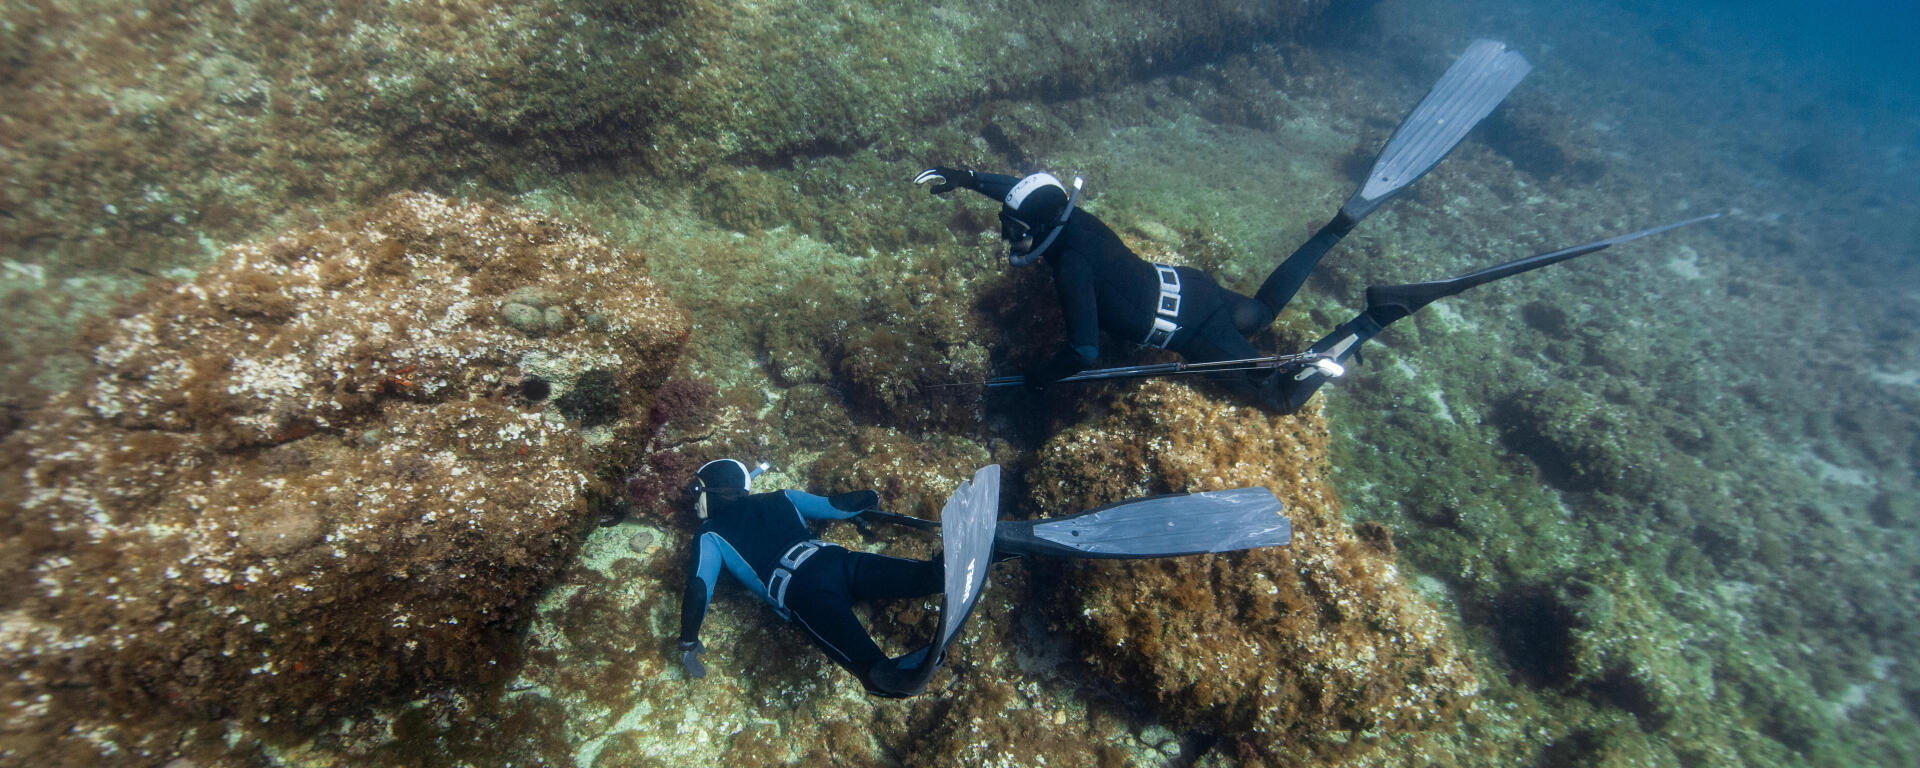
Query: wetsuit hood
x=1032, y=214
x=724, y=473
x=726, y=478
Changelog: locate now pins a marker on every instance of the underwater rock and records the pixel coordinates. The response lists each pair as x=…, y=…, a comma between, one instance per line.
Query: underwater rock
x=1581, y=442
x=914, y=474
x=385, y=96
x=523, y=317
x=307, y=479
x=1309, y=649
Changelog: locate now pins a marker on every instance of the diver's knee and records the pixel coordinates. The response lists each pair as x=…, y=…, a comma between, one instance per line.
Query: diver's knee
x=1252, y=316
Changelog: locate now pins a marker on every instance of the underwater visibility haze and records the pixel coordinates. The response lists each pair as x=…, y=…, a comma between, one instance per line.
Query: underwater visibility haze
x=361, y=354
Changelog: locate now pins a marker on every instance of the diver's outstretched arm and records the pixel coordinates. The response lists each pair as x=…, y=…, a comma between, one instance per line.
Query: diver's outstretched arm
x=992, y=185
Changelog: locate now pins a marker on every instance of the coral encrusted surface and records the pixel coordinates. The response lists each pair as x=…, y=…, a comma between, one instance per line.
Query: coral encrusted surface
x=322, y=472
x=1296, y=650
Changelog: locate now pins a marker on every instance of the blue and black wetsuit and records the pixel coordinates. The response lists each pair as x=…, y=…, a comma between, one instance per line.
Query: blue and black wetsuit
x=763, y=540
x=1103, y=285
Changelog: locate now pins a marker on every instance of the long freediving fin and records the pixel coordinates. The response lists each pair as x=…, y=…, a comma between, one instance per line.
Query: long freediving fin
x=1407, y=298
x=1476, y=83
x=967, y=535
x=1158, y=526
x=1387, y=304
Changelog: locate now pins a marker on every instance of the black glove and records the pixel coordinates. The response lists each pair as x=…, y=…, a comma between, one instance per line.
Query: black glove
x=1064, y=363
x=946, y=179
x=690, y=651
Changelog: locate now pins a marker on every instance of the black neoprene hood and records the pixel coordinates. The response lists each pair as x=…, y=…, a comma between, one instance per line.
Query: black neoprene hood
x=723, y=473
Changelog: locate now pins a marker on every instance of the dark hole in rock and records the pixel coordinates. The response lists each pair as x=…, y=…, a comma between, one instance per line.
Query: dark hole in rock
x=1355, y=165
x=1003, y=145
x=1881, y=509
x=1535, y=633
x=595, y=399
x=1522, y=434
x=1791, y=727
x=1547, y=319
x=1620, y=689
x=1574, y=750
x=1524, y=144
x=1690, y=438
x=535, y=389
x=611, y=510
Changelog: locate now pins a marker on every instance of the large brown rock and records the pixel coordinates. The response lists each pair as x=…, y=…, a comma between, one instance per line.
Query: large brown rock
x=1310, y=649
x=335, y=466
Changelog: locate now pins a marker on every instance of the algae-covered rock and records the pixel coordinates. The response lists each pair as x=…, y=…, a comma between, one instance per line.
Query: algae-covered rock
x=1315, y=647
x=313, y=476
x=1582, y=442
x=139, y=119
x=913, y=476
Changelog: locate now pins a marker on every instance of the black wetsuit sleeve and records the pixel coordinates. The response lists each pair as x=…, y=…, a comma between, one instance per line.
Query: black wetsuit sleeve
x=1079, y=306
x=699, y=590
x=994, y=185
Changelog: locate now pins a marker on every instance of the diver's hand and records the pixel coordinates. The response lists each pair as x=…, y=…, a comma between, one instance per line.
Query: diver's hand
x=690, y=658
x=946, y=179
x=1063, y=364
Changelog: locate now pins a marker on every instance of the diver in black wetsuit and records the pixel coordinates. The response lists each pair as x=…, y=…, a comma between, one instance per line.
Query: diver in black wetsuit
x=1103, y=285
x=763, y=540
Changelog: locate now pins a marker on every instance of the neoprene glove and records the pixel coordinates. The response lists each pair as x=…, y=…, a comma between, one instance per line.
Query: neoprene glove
x=690, y=658
x=1065, y=363
x=947, y=179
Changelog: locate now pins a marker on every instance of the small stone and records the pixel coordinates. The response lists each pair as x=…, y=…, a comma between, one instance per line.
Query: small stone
x=556, y=319
x=641, y=542
x=523, y=317
x=1157, y=736
x=530, y=296
x=1158, y=232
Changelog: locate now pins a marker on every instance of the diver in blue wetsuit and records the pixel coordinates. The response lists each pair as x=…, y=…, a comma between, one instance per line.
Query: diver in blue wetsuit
x=1104, y=286
x=763, y=540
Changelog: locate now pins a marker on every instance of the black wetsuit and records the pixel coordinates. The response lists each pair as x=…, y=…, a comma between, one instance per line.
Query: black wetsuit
x=763, y=540
x=1104, y=286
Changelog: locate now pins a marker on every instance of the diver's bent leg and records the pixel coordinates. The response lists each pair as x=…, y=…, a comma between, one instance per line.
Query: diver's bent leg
x=1251, y=316
x=878, y=577
x=826, y=615
x=1279, y=287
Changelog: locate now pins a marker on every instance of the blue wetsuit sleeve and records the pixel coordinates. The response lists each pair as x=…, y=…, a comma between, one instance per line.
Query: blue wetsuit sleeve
x=993, y=185
x=699, y=591
x=813, y=507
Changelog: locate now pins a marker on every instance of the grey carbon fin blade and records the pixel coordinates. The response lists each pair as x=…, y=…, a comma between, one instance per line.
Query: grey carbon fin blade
x=1476, y=83
x=966, y=533
x=1165, y=526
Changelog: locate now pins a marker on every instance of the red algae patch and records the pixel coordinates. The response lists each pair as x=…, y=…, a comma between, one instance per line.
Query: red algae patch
x=319, y=474
x=1305, y=651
